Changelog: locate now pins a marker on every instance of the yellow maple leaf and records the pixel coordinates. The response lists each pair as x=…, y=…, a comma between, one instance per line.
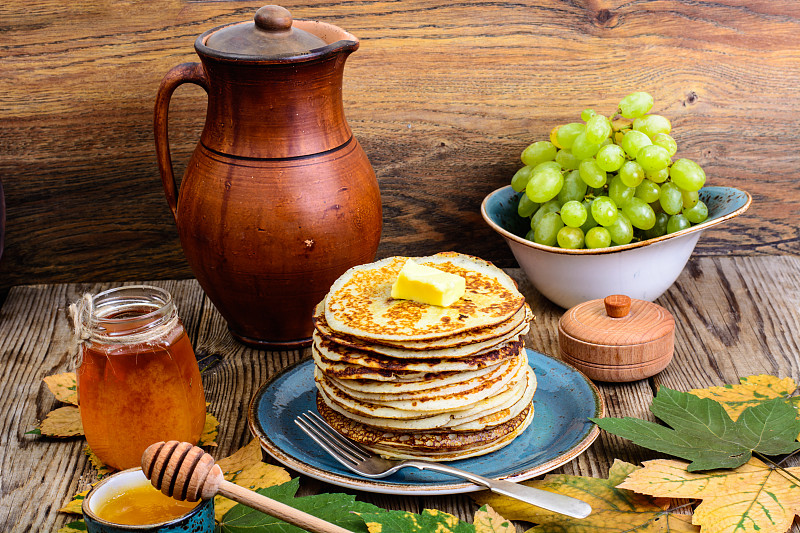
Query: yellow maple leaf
x=64, y=387
x=754, y=498
x=613, y=508
x=487, y=520
x=246, y=469
x=752, y=390
x=74, y=505
x=62, y=422
x=210, y=431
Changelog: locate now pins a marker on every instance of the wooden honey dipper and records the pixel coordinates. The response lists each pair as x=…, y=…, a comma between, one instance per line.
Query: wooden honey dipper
x=186, y=472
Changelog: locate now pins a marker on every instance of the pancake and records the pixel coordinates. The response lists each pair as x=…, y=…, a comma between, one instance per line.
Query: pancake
x=458, y=345
x=442, y=445
x=360, y=303
x=412, y=380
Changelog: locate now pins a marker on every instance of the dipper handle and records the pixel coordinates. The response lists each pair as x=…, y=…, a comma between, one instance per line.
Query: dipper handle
x=186, y=472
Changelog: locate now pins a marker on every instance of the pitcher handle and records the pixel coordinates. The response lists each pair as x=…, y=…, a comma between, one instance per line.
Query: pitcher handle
x=177, y=75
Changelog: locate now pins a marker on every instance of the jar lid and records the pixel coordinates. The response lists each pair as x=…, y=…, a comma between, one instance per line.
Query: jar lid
x=617, y=321
x=271, y=34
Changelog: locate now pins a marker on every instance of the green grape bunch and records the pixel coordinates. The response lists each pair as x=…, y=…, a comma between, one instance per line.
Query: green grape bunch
x=608, y=181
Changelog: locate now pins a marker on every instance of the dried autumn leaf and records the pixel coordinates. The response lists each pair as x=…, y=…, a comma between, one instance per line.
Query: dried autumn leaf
x=613, y=508
x=487, y=520
x=74, y=505
x=246, y=469
x=751, y=391
x=64, y=387
x=62, y=423
x=754, y=498
x=102, y=468
x=210, y=431
x=244, y=456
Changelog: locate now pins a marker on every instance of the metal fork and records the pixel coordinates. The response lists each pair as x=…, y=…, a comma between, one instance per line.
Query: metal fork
x=368, y=464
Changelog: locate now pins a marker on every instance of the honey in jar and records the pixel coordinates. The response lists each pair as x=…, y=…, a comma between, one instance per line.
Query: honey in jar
x=138, y=379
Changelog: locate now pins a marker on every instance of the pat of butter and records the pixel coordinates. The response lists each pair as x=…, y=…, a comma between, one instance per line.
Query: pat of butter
x=428, y=285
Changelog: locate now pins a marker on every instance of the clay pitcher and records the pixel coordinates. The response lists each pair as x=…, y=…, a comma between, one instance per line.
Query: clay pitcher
x=278, y=198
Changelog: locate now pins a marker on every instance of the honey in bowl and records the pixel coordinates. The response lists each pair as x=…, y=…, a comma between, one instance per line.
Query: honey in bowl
x=142, y=505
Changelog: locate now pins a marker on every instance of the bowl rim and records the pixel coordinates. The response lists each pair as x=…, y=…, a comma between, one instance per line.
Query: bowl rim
x=612, y=249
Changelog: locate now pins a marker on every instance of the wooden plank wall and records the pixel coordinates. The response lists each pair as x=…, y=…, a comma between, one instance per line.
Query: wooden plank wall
x=442, y=95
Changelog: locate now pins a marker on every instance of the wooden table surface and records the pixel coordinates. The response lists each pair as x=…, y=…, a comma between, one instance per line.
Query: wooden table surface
x=736, y=316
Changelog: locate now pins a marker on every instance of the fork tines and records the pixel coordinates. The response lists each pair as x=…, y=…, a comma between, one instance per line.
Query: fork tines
x=343, y=450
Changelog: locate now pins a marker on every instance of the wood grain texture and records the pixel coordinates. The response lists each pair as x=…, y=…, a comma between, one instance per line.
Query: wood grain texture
x=735, y=317
x=443, y=97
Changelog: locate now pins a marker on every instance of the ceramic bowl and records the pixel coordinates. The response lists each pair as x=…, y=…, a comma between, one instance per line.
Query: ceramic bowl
x=642, y=270
x=198, y=520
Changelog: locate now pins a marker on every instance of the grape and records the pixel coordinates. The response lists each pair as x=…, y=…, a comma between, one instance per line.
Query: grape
x=633, y=141
x=546, y=231
x=566, y=134
x=671, y=199
x=574, y=188
x=590, y=221
x=597, y=183
x=648, y=191
x=677, y=223
x=604, y=210
x=567, y=160
x=538, y=152
x=546, y=164
x=598, y=128
x=631, y=173
x=639, y=213
x=597, y=237
x=690, y=198
x=573, y=214
x=583, y=148
x=696, y=214
x=544, y=185
x=659, y=176
x=619, y=192
x=548, y=207
x=570, y=238
x=652, y=125
x=610, y=157
x=653, y=158
x=621, y=230
x=659, y=228
x=520, y=179
x=687, y=175
x=526, y=208
x=635, y=105
x=666, y=142
x=591, y=173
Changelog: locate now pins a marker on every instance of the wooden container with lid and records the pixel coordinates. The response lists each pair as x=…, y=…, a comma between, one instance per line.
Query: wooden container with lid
x=617, y=339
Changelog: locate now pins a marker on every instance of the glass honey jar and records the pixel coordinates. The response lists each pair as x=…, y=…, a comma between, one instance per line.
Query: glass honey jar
x=138, y=379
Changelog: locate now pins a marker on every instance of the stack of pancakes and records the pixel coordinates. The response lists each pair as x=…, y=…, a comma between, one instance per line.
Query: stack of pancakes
x=412, y=380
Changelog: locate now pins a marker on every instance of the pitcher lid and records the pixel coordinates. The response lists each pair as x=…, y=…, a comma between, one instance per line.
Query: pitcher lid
x=270, y=34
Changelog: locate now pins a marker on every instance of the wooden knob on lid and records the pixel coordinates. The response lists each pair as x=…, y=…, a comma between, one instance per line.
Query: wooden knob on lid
x=273, y=18
x=617, y=305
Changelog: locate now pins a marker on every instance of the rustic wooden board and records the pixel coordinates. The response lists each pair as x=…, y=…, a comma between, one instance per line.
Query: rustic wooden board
x=735, y=317
x=443, y=96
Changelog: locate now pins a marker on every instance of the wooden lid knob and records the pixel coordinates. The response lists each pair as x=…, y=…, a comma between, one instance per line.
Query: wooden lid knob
x=617, y=305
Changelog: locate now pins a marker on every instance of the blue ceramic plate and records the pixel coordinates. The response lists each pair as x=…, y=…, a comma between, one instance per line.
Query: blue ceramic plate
x=560, y=431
